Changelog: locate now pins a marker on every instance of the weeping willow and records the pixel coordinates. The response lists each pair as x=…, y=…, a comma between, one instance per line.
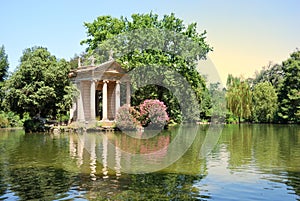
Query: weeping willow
x=239, y=97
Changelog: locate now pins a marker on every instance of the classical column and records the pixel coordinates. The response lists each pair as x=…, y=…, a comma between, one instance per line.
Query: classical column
x=118, y=161
x=104, y=100
x=92, y=99
x=128, y=93
x=93, y=158
x=80, y=148
x=104, y=156
x=118, y=101
x=80, y=110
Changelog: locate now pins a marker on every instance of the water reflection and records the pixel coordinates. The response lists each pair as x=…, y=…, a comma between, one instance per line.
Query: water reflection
x=254, y=162
x=113, y=153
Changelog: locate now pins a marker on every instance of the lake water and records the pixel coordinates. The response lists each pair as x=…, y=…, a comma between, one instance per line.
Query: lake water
x=246, y=162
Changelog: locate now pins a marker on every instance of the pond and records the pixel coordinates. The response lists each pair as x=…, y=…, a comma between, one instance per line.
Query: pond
x=242, y=162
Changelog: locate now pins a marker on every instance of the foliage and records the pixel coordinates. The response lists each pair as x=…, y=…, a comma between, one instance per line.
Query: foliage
x=40, y=85
x=273, y=73
x=9, y=119
x=239, y=97
x=63, y=118
x=289, y=94
x=153, y=114
x=74, y=60
x=3, y=64
x=34, y=125
x=231, y=119
x=146, y=40
x=127, y=118
x=264, y=102
x=218, y=110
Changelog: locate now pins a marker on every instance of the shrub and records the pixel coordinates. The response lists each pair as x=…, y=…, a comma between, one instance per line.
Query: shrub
x=34, y=125
x=9, y=119
x=153, y=114
x=127, y=118
x=3, y=120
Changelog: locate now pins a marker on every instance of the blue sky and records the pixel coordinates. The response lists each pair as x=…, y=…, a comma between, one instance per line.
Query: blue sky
x=245, y=35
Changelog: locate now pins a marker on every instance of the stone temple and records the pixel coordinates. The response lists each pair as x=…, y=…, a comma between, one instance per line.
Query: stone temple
x=99, y=89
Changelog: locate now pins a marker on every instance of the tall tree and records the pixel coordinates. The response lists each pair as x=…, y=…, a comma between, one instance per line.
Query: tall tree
x=272, y=73
x=239, y=97
x=264, y=102
x=146, y=40
x=218, y=109
x=40, y=85
x=289, y=94
x=4, y=65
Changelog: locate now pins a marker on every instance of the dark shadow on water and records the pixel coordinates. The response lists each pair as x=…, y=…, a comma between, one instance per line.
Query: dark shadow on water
x=152, y=186
x=41, y=183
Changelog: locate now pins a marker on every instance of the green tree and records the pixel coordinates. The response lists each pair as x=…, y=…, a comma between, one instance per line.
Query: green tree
x=264, y=102
x=272, y=73
x=4, y=65
x=74, y=60
x=146, y=40
x=218, y=109
x=239, y=97
x=40, y=85
x=289, y=94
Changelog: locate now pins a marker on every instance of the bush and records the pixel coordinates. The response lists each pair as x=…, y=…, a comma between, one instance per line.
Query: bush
x=9, y=119
x=127, y=118
x=153, y=114
x=3, y=120
x=231, y=119
x=35, y=125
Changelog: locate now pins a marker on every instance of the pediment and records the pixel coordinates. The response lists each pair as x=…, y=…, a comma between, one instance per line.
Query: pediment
x=107, y=69
x=115, y=67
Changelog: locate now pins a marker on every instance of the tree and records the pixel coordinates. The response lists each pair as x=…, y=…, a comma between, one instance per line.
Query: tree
x=74, y=60
x=272, y=73
x=3, y=64
x=239, y=97
x=146, y=40
x=40, y=85
x=218, y=110
x=3, y=72
x=264, y=102
x=289, y=94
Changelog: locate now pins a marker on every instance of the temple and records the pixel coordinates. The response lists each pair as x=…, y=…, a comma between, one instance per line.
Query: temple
x=99, y=89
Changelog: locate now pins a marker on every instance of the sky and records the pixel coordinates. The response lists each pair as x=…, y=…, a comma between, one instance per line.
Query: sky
x=245, y=35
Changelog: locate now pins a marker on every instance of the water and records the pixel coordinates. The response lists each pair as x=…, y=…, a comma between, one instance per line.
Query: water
x=248, y=162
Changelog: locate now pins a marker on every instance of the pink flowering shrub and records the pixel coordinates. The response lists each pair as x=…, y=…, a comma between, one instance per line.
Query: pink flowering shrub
x=127, y=118
x=153, y=113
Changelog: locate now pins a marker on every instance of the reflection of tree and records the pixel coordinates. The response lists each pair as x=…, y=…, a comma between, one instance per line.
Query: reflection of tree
x=277, y=146
x=274, y=149
x=239, y=144
x=3, y=185
x=37, y=166
x=40, y=182
x=142, y=146
x=293, y=181
x=8, y=141
x=156, y=186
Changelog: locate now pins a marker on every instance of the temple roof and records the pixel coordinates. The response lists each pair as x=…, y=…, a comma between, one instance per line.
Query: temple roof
x=102, y=71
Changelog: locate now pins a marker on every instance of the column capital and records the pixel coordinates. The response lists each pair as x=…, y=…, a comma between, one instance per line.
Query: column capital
x=118, y=81
x=105, y=81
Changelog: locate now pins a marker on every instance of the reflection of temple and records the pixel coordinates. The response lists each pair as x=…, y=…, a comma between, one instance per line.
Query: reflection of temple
x=100, y=91
x=102, y=154
x=91, y=149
